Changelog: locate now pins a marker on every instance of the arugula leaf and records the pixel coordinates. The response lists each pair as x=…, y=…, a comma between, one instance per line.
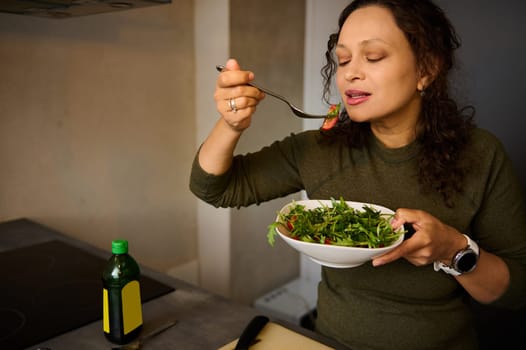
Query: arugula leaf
x=338, y=224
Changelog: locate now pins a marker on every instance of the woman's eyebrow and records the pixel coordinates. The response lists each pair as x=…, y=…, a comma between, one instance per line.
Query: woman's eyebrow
x=365, y=43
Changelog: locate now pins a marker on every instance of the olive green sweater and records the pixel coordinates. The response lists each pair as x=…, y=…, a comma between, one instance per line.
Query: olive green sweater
x=396, y=306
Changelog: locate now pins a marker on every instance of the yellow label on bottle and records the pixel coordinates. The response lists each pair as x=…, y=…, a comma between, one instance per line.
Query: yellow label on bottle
x=131, y=306
x=105, y=311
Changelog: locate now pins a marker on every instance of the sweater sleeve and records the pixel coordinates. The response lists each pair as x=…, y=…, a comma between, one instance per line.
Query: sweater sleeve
x=253, y=178
x=500, y=223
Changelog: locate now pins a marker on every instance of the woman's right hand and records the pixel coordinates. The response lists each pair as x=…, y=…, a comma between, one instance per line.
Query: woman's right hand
x=217, y=151
x=232, y=90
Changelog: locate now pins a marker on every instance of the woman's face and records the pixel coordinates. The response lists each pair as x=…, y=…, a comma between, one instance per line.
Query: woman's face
x=377, y=75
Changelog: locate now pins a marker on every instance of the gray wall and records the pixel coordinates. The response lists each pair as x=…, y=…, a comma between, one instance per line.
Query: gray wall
x=271, y=44
x=97, y=128
x=492, y=68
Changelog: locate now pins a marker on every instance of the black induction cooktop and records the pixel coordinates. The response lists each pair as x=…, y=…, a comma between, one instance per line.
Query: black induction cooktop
x=50, y=288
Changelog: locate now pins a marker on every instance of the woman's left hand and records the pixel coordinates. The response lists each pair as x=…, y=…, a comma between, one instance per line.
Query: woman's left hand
x=435, y=241
x=432, y=241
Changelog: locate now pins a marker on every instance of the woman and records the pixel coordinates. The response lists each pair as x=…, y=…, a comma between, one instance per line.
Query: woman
x=401, y=142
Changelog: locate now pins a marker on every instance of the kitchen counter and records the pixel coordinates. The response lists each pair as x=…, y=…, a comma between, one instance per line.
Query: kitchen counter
x=204, y=320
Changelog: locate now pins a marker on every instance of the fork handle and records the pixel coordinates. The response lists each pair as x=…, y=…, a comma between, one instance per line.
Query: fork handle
x=221, y=68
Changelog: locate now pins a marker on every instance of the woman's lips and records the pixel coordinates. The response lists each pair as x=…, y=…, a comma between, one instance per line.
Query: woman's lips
x=355, y=97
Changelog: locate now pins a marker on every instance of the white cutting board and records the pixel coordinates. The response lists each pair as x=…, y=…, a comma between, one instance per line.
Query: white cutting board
x=276, y=337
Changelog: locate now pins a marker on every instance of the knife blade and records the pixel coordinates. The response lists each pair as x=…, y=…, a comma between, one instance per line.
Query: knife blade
x=137, y=344
x=250, y=332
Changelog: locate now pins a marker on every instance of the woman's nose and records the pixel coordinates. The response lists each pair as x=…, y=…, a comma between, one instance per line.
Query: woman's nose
x=354, y=71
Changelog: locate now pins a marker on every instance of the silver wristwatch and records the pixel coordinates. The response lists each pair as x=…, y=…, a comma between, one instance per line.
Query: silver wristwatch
x=464, y=261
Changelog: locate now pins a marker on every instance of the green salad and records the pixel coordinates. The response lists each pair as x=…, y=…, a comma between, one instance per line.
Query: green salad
x=338, y=224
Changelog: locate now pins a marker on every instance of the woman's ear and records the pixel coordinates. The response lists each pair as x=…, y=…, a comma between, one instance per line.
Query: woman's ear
x=423, y=83
x=428, y=73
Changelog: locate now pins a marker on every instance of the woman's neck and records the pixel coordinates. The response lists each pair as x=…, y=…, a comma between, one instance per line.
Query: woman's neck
x=394, y=138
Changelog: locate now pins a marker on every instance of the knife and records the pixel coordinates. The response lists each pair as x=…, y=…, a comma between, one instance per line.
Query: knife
x=409, y=231
x=137, y=344
x=250, y=332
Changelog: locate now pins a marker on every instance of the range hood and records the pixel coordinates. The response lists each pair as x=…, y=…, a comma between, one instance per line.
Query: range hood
x=71, y=8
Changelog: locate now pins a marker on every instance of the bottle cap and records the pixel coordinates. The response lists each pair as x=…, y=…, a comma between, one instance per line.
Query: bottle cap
x=119, y=246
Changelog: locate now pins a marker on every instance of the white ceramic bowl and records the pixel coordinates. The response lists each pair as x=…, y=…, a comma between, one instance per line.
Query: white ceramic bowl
x=333, y=255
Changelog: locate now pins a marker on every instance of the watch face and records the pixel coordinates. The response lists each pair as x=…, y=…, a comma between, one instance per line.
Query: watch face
x=467, y=261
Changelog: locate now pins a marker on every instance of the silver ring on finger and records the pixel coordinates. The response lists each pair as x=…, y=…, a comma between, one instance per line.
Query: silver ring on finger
x=232, y=104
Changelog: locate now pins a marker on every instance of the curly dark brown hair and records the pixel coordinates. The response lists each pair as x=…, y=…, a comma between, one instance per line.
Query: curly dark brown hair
x=443, y=129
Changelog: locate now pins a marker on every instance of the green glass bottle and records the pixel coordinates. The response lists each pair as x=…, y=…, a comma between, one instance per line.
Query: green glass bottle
x=122, y=308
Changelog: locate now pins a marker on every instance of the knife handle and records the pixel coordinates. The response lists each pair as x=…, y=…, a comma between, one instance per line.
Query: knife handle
x=251, y=331
x=409, y=231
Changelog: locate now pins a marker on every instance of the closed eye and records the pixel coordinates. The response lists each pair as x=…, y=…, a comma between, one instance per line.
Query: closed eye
x=374, y=59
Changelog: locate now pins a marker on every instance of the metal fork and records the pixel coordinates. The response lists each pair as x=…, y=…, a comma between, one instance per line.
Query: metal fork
x=297, y=111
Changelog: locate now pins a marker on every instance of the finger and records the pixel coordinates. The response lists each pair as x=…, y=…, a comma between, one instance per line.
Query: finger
x=395, y=254
x=404, y=215
x=232, y=64
x=232, y=105
x=243, y=102
x=226, y=106
x=242, y=97
x=241, y=91
x=237, y=103
x=234, y=77
x=241, y=120
x=408, y=219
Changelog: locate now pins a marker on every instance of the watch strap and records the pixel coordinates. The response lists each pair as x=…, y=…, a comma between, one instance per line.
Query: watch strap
x=438, y=265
